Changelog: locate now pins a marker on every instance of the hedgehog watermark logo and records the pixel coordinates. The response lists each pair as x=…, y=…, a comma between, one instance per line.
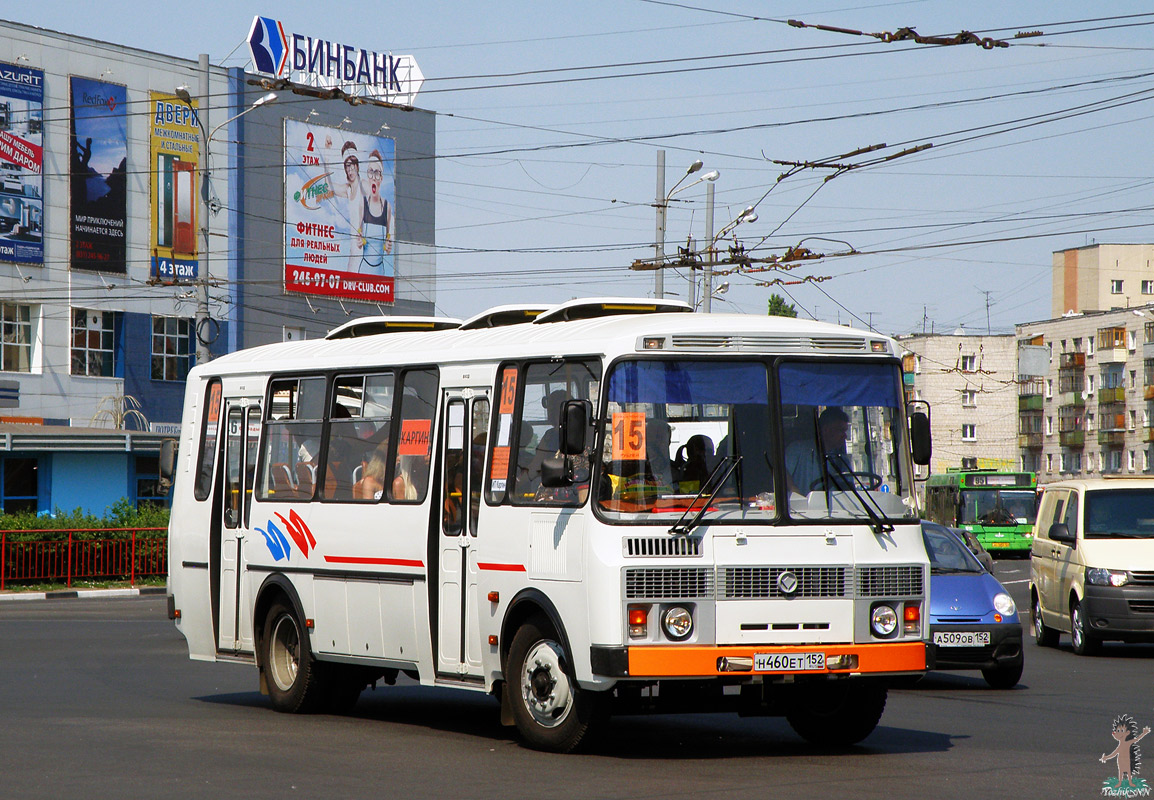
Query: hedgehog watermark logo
x=1128, y=756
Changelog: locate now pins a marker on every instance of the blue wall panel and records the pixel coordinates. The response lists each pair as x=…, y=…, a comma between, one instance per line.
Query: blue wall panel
x=91, y=481
x=160, y=401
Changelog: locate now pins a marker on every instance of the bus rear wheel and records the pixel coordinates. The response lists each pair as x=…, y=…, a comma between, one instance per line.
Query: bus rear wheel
x=551, y=711
x=837, y=713
x=291, y=674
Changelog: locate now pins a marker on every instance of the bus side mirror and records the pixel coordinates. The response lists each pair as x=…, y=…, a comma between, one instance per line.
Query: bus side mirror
x=555, y=472
x=920, y=441
x=167, y=464
x=574, y=425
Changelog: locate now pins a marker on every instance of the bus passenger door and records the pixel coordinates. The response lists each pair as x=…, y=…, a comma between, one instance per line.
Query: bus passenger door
x=242, y=432
x=463, y=456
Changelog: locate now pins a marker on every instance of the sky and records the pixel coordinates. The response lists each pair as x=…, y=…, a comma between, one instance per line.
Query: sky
x=551, y=118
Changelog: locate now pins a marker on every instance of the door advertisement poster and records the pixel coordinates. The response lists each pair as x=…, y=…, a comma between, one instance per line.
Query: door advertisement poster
x=98, y=177
x=174, y=180
x=21, y=164
x=339, y=212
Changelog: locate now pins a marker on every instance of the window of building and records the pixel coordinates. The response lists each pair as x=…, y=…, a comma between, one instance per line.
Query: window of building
x=1089, y=383
x=1049, y=388
x=969, y=432
x=1130, y=460
x=1077, y=344
x=1115, y=287
x=1133, y=379
x=1147, y=287
x=969, y=463
x=15, y=338
x=171, y=348
x=1090, y=420
x=1145, y=460
x=1063, y=463
x=1049, y=426
x=1077, y=462
x=20, y=485
x=1049, y=462
x=1090, y=345
x=969, y=363
x=147, y=483
x=93, y=342
x=969, y=397
x=1133, y=419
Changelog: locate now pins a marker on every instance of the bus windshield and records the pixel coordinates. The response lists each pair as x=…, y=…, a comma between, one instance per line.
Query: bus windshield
x=844, y=447
x=674, y=430
x=998, y=507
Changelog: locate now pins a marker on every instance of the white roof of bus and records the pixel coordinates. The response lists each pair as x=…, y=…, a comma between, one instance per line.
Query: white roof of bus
x=606, y=335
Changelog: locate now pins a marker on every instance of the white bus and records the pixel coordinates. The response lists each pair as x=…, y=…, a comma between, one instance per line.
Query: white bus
x=502, y=506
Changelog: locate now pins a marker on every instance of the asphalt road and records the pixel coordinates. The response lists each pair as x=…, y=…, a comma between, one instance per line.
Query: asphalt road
x=98, y=699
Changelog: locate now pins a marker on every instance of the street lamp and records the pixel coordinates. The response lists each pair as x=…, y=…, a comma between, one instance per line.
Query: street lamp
x=202, y=318
x=748, y=215
x=663, y=206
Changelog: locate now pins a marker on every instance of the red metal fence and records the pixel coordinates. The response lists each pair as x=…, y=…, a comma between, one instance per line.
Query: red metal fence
x=82, y=554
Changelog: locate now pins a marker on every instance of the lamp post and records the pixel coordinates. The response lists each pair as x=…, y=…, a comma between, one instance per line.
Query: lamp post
x=748, y=215
x=663, y=206
x=208, y=206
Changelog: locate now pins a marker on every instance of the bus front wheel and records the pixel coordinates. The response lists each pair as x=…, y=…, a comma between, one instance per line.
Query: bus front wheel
x=291, y=674
x=550, y=710
x=837, y=713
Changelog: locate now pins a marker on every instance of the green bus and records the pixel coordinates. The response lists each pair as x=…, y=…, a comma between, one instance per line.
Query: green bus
x=998, y=507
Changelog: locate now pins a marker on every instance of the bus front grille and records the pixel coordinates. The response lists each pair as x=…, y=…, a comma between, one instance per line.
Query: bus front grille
x=890, y=581
x=762, y=582
x=672, y=584
x=662, y=546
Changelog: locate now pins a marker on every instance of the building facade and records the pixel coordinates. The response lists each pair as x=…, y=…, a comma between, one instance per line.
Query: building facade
x=152, y=207
x=1101, y=277
x=1085, y=410
x=970, y=384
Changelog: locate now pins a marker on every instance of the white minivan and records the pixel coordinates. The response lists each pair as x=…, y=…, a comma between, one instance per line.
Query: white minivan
x=1092, y=562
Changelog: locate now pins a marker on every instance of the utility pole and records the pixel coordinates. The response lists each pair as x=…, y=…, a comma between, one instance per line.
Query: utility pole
x=200, y=323
x=987, y=294
x=707, y=295
x=659, y=243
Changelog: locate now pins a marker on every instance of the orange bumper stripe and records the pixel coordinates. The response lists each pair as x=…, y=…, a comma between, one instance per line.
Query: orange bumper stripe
x=661, y=661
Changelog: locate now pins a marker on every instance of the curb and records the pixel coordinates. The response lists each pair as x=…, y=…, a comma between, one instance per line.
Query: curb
x=86, y=594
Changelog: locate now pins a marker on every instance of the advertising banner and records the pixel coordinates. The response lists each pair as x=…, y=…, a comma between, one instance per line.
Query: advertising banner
x=339, y=214
x=98, y=175
x=174, y=178
x=21, y=164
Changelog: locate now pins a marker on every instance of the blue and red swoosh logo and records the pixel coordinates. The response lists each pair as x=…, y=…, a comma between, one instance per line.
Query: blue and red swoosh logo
x=269, y=46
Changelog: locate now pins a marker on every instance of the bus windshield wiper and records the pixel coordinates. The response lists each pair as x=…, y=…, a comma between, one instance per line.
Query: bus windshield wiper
x=679, y=527
x=877, y=524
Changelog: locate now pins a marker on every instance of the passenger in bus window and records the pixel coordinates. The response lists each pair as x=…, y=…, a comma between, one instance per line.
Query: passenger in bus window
x=808, y=464
x=694, y=463
x=550, y=442
x=372, y=483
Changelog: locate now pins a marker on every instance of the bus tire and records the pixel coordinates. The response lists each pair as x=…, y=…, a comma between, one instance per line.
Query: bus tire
x=837, y=713
x=550, y=710
x=291, y=673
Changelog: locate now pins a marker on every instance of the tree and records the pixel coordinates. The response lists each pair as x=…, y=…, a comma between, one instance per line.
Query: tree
x=779, y=308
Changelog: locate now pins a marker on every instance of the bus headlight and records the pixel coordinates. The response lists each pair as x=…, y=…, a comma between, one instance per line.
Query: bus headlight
x=677, y=622
x=884, y=621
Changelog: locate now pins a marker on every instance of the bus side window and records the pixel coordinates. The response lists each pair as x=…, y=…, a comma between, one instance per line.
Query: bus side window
x=292, y=435
x=415, y=436
x=358, y=438
x=209, y=429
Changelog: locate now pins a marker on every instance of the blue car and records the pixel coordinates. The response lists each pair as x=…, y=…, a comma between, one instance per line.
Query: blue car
x=973, y=620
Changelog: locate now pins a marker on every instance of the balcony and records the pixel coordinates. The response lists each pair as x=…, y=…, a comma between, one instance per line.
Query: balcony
x=1113, y=355
x=1147, y=434
x=1115, y=395
x=1073, y=360
x=1148, y=394
x=1076, y=399
x=1032, y=402
x=1072, y=438
x=1112, y=438
x=1032, y=441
